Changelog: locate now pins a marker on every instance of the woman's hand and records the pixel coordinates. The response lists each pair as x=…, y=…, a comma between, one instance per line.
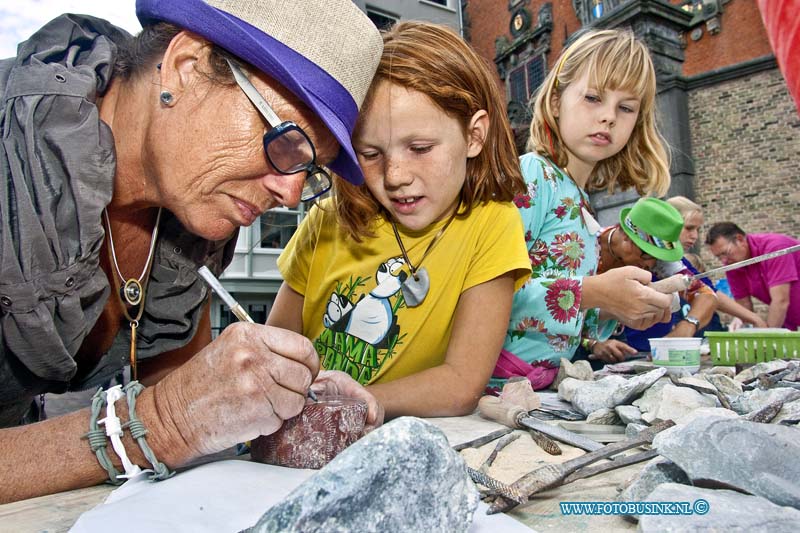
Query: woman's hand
x=335, y=382
x=611, y=351
x=244, y=384
x=623, y=293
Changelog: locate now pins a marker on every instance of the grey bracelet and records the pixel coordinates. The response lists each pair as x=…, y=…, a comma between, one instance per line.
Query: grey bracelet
x=138, y=432
x=97, y=439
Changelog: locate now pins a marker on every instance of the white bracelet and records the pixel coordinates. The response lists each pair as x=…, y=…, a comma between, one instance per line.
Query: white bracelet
x=114, y=431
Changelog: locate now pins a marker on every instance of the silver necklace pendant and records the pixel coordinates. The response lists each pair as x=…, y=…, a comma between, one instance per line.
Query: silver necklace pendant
x=415, y=287
x=132, y=292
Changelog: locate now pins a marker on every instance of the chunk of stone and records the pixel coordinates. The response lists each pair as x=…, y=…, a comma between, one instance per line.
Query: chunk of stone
x=726, y=385
x=401, y=477
x=759, y=459
x=760, y=368
x=581, y=370
x=677, y=402
x=654, y=473
x=519, y=392
x=604, y=416
x=632, y=430
x=757, y=398
x=567, y=388
x=703, y=384
x=725, y=510
x=728, y=371
x=789, y=411
x=629, y=414
x=713, y=412
x=612, y=391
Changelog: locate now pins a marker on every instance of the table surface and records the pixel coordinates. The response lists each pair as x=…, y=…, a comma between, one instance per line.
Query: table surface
x=58, y=512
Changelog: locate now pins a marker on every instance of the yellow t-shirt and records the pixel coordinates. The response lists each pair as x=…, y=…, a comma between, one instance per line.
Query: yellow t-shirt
x=353, y=309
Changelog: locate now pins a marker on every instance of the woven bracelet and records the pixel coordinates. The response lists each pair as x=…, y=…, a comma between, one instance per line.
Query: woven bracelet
x=97, y=439
x=138, y=432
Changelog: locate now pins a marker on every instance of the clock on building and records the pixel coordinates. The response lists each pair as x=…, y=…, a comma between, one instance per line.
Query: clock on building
x=520, y=22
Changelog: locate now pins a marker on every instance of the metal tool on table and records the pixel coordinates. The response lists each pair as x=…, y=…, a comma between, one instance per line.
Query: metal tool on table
x=510, y=415
x=554, y=475
x=681, y=282
x=506, y=491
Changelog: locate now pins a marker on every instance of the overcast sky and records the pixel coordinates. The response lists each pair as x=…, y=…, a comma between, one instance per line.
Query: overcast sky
x=20, y=18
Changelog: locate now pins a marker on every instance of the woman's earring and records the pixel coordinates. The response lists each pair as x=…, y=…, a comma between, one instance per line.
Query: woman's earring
x=166, y=98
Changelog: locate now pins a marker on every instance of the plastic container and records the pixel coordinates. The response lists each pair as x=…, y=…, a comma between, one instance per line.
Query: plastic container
x=752, y=345
x=676, y=354
x=314, y=437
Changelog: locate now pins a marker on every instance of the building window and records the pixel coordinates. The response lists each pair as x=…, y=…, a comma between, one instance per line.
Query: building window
x=381, y=19
x=590, y=10
x=525, y=80
x=276, y=227
x=440, y=2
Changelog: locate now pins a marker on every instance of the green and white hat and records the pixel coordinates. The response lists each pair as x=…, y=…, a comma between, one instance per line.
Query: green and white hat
x=655, y=227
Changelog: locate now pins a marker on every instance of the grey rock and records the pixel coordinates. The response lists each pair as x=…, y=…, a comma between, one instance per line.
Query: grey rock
x=789, y=411
x=728, y=371
x=654, y=473
x=580, y=370
x=567, y=388
x=652, y=396
x=707, y=412
x=760, y=368
x=677, y=402
x=759, y=459
x=725, y=384
x=631, y=430
x=604, y=416
x=401, y=477
x=629, y=414
x=728, y=511
x=703, y=384
x=612, y=391
x=757, y=398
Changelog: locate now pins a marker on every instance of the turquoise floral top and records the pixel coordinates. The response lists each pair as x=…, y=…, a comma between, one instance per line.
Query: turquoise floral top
x=546, y=320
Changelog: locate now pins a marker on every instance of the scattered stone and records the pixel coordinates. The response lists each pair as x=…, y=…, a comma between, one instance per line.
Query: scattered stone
x=789, y=411
x=761, y=368
x=728, y=371
x=654, y=473
x=632, y=430
x=677, y=402
x=757, y=398
x=613, y=390
x=706, y=386
x=567, y=388
x=725, y=510
x=629, y=414
x=652, y=396
x=713, y=412
x=726, y=385
x=371, y=486
x=581, y=370
x=604, y=416
x=759, y=459
x=518, y=391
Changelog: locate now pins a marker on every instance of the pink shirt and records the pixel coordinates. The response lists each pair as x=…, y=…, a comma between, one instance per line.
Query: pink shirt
x=755, y=280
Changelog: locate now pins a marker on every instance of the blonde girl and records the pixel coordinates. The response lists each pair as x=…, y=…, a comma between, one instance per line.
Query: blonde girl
x=406, y=282
x=593, y=129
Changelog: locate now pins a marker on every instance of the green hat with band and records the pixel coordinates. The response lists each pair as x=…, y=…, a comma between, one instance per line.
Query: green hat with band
x=655, y=227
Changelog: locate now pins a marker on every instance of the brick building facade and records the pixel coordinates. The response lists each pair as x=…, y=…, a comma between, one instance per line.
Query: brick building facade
x=724, y=106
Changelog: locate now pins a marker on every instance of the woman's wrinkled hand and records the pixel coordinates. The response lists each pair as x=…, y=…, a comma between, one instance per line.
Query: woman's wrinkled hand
x=335, y=382
x=611, y=351
x=244, y=384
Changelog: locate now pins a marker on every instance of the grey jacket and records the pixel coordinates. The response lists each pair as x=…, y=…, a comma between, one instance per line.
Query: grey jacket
x=58, y=165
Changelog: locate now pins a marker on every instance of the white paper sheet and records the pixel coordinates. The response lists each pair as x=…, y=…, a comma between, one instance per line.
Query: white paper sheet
x=218, y=497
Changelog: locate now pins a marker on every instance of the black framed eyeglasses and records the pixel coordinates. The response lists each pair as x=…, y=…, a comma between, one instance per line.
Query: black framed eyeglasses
x=288, y=148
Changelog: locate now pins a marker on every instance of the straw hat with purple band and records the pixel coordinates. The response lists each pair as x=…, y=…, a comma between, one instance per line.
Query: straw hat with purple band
x=324, y=51
x=655, y=227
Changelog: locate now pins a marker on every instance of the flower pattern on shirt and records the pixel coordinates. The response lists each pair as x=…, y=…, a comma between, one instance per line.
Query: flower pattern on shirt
x=563, y=299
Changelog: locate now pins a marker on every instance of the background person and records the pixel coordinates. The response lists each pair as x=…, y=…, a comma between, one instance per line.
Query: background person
x=593, y=129
x=127, y=164
x=692, y=215
x=411, y=291
x=776, y=282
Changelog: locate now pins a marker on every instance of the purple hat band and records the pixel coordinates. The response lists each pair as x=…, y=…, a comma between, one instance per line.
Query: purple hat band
x=328, y=98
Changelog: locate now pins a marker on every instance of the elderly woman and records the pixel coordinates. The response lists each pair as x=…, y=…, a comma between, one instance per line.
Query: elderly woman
x=127, y=164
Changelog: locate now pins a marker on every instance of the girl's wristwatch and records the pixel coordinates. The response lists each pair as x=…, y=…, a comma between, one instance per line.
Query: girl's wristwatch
x=692, y=320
